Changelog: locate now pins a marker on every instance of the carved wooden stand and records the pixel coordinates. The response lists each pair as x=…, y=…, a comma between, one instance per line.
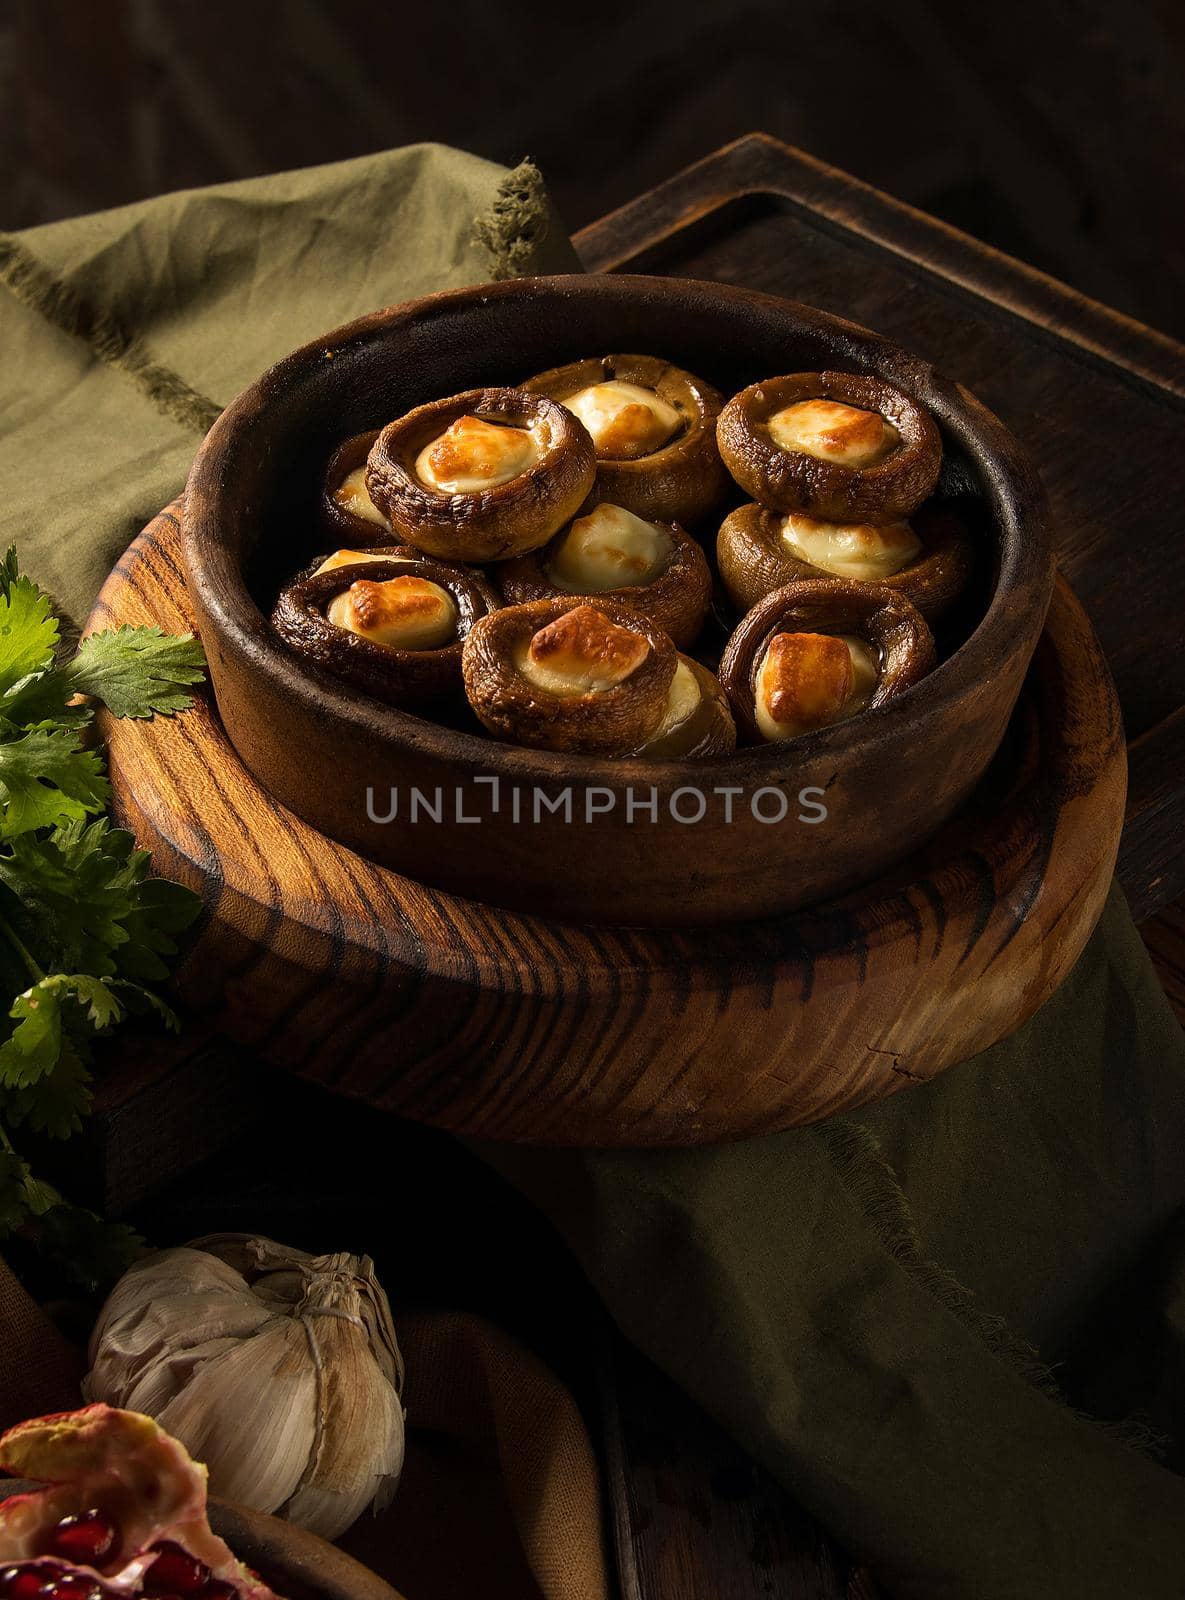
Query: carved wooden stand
x=511, y=1027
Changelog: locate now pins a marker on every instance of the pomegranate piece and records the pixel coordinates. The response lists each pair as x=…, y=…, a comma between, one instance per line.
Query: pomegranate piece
x=22, y=1583
x=121, y=1513
x=87, y=1539
x=175, y=1572
x=50, y=1580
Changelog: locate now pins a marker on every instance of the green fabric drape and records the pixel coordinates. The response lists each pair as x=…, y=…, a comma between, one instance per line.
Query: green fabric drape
x=124, y=332
x=871, y=1307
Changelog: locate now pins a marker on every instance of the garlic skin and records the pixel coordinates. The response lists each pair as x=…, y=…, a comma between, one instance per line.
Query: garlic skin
x=278, y=1369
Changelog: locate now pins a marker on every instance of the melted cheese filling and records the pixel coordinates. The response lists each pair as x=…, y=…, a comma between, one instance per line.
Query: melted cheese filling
x=582, y=652
x=852, y=549
x=405, y=613
x=474, y=454
x=624, y=419
x=810, y=680
x=830, y=431
x=353, y=496
x=349, y=558
x=683, y=701
x=608, y=549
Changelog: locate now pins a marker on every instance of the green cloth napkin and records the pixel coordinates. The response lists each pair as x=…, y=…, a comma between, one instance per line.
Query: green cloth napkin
x=125, y=332
x=870, y=1306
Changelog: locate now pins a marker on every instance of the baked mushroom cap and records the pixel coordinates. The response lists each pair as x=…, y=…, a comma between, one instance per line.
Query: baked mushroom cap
x=837, y=445
x=392, y=624
x=928, y=559
x=654, y=429
x=483, y=475
x=697, y=720
x=656, y=568
x=579, y=673
x=347, y=511
x=816, y=679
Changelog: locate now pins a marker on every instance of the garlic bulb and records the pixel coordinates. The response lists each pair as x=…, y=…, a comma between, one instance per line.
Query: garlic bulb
x=278, y=1369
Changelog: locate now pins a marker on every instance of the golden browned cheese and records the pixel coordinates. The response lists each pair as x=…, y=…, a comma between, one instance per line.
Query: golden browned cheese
x=404, y=613
x=863, y=550
x=352, y=495
x=625, y=420
x=345, y=558
x=582, y=652
x=609, y=548
x=473, y=454
x=810, y=680
x=832, y=431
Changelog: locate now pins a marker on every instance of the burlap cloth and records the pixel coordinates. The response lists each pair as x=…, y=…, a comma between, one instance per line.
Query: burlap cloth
x=873, y=1308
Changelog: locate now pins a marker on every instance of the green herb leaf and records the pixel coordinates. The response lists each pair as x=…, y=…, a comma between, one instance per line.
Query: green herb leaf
x=43, y=697
x=161, y=910
x=47, y=779
x=35, y=1044
x=89, y=1252
x=56, y=1104
x=86, y=903
x=14, y=1202
x=10, y=570
x=137, y=672
x=28, y=630
x=40, y=1196
x=142, y=1000
x=79, y=916
x=75, y=887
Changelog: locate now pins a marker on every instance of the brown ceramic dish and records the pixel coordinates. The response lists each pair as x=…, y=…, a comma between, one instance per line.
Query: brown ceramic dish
x=398, y=677
x=890, y=776
x=676, y=600
x=793, y=480
x=342, y=524
x=684, y=479
x=486, y=524
x=887, y=623
x=754, y=559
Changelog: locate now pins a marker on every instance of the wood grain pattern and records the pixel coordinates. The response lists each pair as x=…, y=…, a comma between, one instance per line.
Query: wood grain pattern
x=693, y=1517
x=1098, y=399
x=511, y=1027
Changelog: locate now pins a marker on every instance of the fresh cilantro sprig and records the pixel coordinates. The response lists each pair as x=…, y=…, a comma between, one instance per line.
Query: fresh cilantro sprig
x=83, y=929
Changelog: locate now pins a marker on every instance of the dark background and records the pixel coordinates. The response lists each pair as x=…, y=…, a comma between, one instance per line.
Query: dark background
x=1053, y=129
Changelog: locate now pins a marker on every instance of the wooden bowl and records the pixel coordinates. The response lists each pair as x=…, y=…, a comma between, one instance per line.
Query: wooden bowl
x=702, y=841
x=296, y=1564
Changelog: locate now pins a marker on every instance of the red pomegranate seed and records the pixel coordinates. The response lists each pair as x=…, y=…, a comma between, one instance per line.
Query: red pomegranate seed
x=175, y=1572
x=22, y=1583
x=72, y=1586
x=87, y=1539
